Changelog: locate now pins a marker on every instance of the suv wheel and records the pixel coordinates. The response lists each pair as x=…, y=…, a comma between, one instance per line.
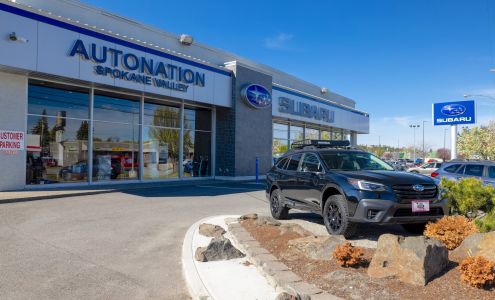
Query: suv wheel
x=417, y=228
x=277, y=208
x=336, y=217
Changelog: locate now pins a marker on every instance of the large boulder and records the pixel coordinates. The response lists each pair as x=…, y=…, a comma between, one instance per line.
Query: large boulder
x=482, y=244
x=316, y=247
x=211, y=230
x=413, y=260
x=248, y=217
x=219, y=248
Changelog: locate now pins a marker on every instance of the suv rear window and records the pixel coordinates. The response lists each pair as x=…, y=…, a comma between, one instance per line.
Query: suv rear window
x=474, y=170
x=294, y=162
x=311, y=163
x=491, y=172
x=281, y=163
x=452, y=168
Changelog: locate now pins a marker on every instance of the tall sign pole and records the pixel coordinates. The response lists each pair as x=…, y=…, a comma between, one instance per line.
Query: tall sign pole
x=453, y=141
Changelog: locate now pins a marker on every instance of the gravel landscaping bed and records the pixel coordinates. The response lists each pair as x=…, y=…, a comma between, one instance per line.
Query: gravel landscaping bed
x=354, y=283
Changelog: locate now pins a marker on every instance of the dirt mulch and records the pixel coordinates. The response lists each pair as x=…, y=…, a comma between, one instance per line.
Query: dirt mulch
x=354, y=283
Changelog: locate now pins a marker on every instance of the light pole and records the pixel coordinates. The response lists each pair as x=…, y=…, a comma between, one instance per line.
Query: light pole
x=478, y=95
x=414, y=140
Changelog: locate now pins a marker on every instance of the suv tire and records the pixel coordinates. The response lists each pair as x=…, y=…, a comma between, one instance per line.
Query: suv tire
x=336, y=217
x=416, y=228
x=277, y=208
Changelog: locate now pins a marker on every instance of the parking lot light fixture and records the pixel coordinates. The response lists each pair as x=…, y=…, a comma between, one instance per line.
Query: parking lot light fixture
x=414, y=126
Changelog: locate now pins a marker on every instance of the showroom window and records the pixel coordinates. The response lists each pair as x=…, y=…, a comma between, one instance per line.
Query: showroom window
x=57, y=134
x=115, y=137
x=280, y=139
x=325, y=135
x=311, y=134
x=161, y=136
x=197, y=142
x=296, y=133
x=337, y=134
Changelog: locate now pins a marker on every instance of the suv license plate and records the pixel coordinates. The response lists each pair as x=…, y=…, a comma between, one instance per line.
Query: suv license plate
x=420, y=205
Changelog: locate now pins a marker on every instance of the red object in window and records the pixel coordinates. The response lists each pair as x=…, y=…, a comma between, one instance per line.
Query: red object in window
x=434, y=174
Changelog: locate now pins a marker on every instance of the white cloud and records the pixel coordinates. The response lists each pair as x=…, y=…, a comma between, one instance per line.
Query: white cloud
x=279, y=41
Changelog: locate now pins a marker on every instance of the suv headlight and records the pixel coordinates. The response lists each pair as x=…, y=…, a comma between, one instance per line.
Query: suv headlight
x=367, y=185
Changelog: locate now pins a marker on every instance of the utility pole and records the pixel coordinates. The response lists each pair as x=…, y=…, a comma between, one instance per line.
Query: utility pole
x=424, y=153
x=414, y=140
x=444, y=137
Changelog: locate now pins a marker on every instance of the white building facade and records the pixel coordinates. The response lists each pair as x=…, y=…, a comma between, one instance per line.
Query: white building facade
x=90, y=98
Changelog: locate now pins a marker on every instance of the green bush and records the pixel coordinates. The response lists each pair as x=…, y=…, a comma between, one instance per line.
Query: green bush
x=487, y=223
x=468, y=195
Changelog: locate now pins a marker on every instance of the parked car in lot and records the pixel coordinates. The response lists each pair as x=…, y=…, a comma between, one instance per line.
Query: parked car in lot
x=425, y=169
x=457, y=169
x=79, y=170
x=349, y=186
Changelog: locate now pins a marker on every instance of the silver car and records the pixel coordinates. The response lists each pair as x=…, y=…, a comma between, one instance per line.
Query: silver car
x=457, y=169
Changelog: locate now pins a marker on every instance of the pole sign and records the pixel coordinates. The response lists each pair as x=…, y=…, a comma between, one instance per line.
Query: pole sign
x=454, y=113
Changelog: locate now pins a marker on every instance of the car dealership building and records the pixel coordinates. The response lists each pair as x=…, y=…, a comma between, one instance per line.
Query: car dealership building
x=89, y=97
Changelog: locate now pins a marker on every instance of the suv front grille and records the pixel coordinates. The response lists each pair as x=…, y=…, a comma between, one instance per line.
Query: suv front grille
x=407, y=212
x=405, y=192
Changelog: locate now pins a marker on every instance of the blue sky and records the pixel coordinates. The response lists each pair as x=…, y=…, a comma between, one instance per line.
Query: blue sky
x=395, y=58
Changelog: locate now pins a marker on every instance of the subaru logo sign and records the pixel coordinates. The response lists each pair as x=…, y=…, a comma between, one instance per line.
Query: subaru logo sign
x=418, y=188
x=454, y=113
x=256, y=96
x=453, y=109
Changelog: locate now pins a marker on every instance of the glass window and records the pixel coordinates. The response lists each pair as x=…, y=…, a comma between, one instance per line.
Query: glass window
x=491, y=172
x=337, y=135
x=474, y=170
x=280, y=146
x=311, y=163
x=296, y=133
x=161, y=134
x=280, y=131
x=312, y=134
x=294, y=162
x=461, y=169
x=197, y=142
x=452, y=168
x=115, y=137
x=282, y=162
x=354, y=161
x=325, y=135
x=57, y=134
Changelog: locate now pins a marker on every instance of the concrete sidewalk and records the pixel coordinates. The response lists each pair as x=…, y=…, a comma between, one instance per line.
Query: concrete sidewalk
x=52, y=193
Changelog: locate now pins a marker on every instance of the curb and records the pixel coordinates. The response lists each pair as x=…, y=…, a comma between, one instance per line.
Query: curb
x=194, y=283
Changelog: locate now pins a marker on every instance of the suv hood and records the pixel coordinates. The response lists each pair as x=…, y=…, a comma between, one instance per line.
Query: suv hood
x=388, y=177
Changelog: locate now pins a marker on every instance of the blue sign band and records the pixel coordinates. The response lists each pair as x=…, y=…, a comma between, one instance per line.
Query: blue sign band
x=111, y=39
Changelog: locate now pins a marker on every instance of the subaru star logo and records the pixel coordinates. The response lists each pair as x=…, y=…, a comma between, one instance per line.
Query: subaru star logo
x=256, y=96
x=418, y=188
x=453, y=109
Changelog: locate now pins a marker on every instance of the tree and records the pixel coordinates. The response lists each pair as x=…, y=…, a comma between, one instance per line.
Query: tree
x=477, y=141
x=167, y=136
x=443, y=153
x=82, y=132
x=41, y=129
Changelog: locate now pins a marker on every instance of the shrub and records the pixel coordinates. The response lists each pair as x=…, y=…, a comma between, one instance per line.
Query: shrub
x=468, y=195
x=487, y=223
x=451, y=230
x=347, y=255
x=477, y=271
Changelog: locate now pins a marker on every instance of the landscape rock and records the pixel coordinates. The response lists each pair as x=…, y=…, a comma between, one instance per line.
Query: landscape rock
x=248, y=217
x=482, y=244
x=413, y=260
x=267, y=221
x=286, y=296
x=316, y=247
x=287, y=227
x=219, y=248
x=211, y=230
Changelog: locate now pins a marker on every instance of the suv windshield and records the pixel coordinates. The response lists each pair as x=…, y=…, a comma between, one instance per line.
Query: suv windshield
x=354, y=161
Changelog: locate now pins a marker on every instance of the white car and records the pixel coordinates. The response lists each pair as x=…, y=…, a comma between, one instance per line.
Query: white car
x=426, y=169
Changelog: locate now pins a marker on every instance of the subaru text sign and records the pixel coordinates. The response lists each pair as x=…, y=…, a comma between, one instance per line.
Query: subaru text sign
x=454, y=113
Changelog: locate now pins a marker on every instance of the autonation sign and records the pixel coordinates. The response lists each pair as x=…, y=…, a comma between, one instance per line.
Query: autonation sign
x=454, y=113
x=130, y=67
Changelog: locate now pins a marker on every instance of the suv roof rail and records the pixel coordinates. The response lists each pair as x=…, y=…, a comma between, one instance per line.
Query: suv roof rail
x=303, y=144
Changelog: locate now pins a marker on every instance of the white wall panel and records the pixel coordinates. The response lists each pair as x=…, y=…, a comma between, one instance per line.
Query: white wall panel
x=20, y=54
x=223, y=90
x=53, y=51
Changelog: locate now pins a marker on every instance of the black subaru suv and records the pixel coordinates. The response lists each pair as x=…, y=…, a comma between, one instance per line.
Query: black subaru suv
x=348, y=186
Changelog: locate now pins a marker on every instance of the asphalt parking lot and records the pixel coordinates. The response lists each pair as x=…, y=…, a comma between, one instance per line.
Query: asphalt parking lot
x=122, y=245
